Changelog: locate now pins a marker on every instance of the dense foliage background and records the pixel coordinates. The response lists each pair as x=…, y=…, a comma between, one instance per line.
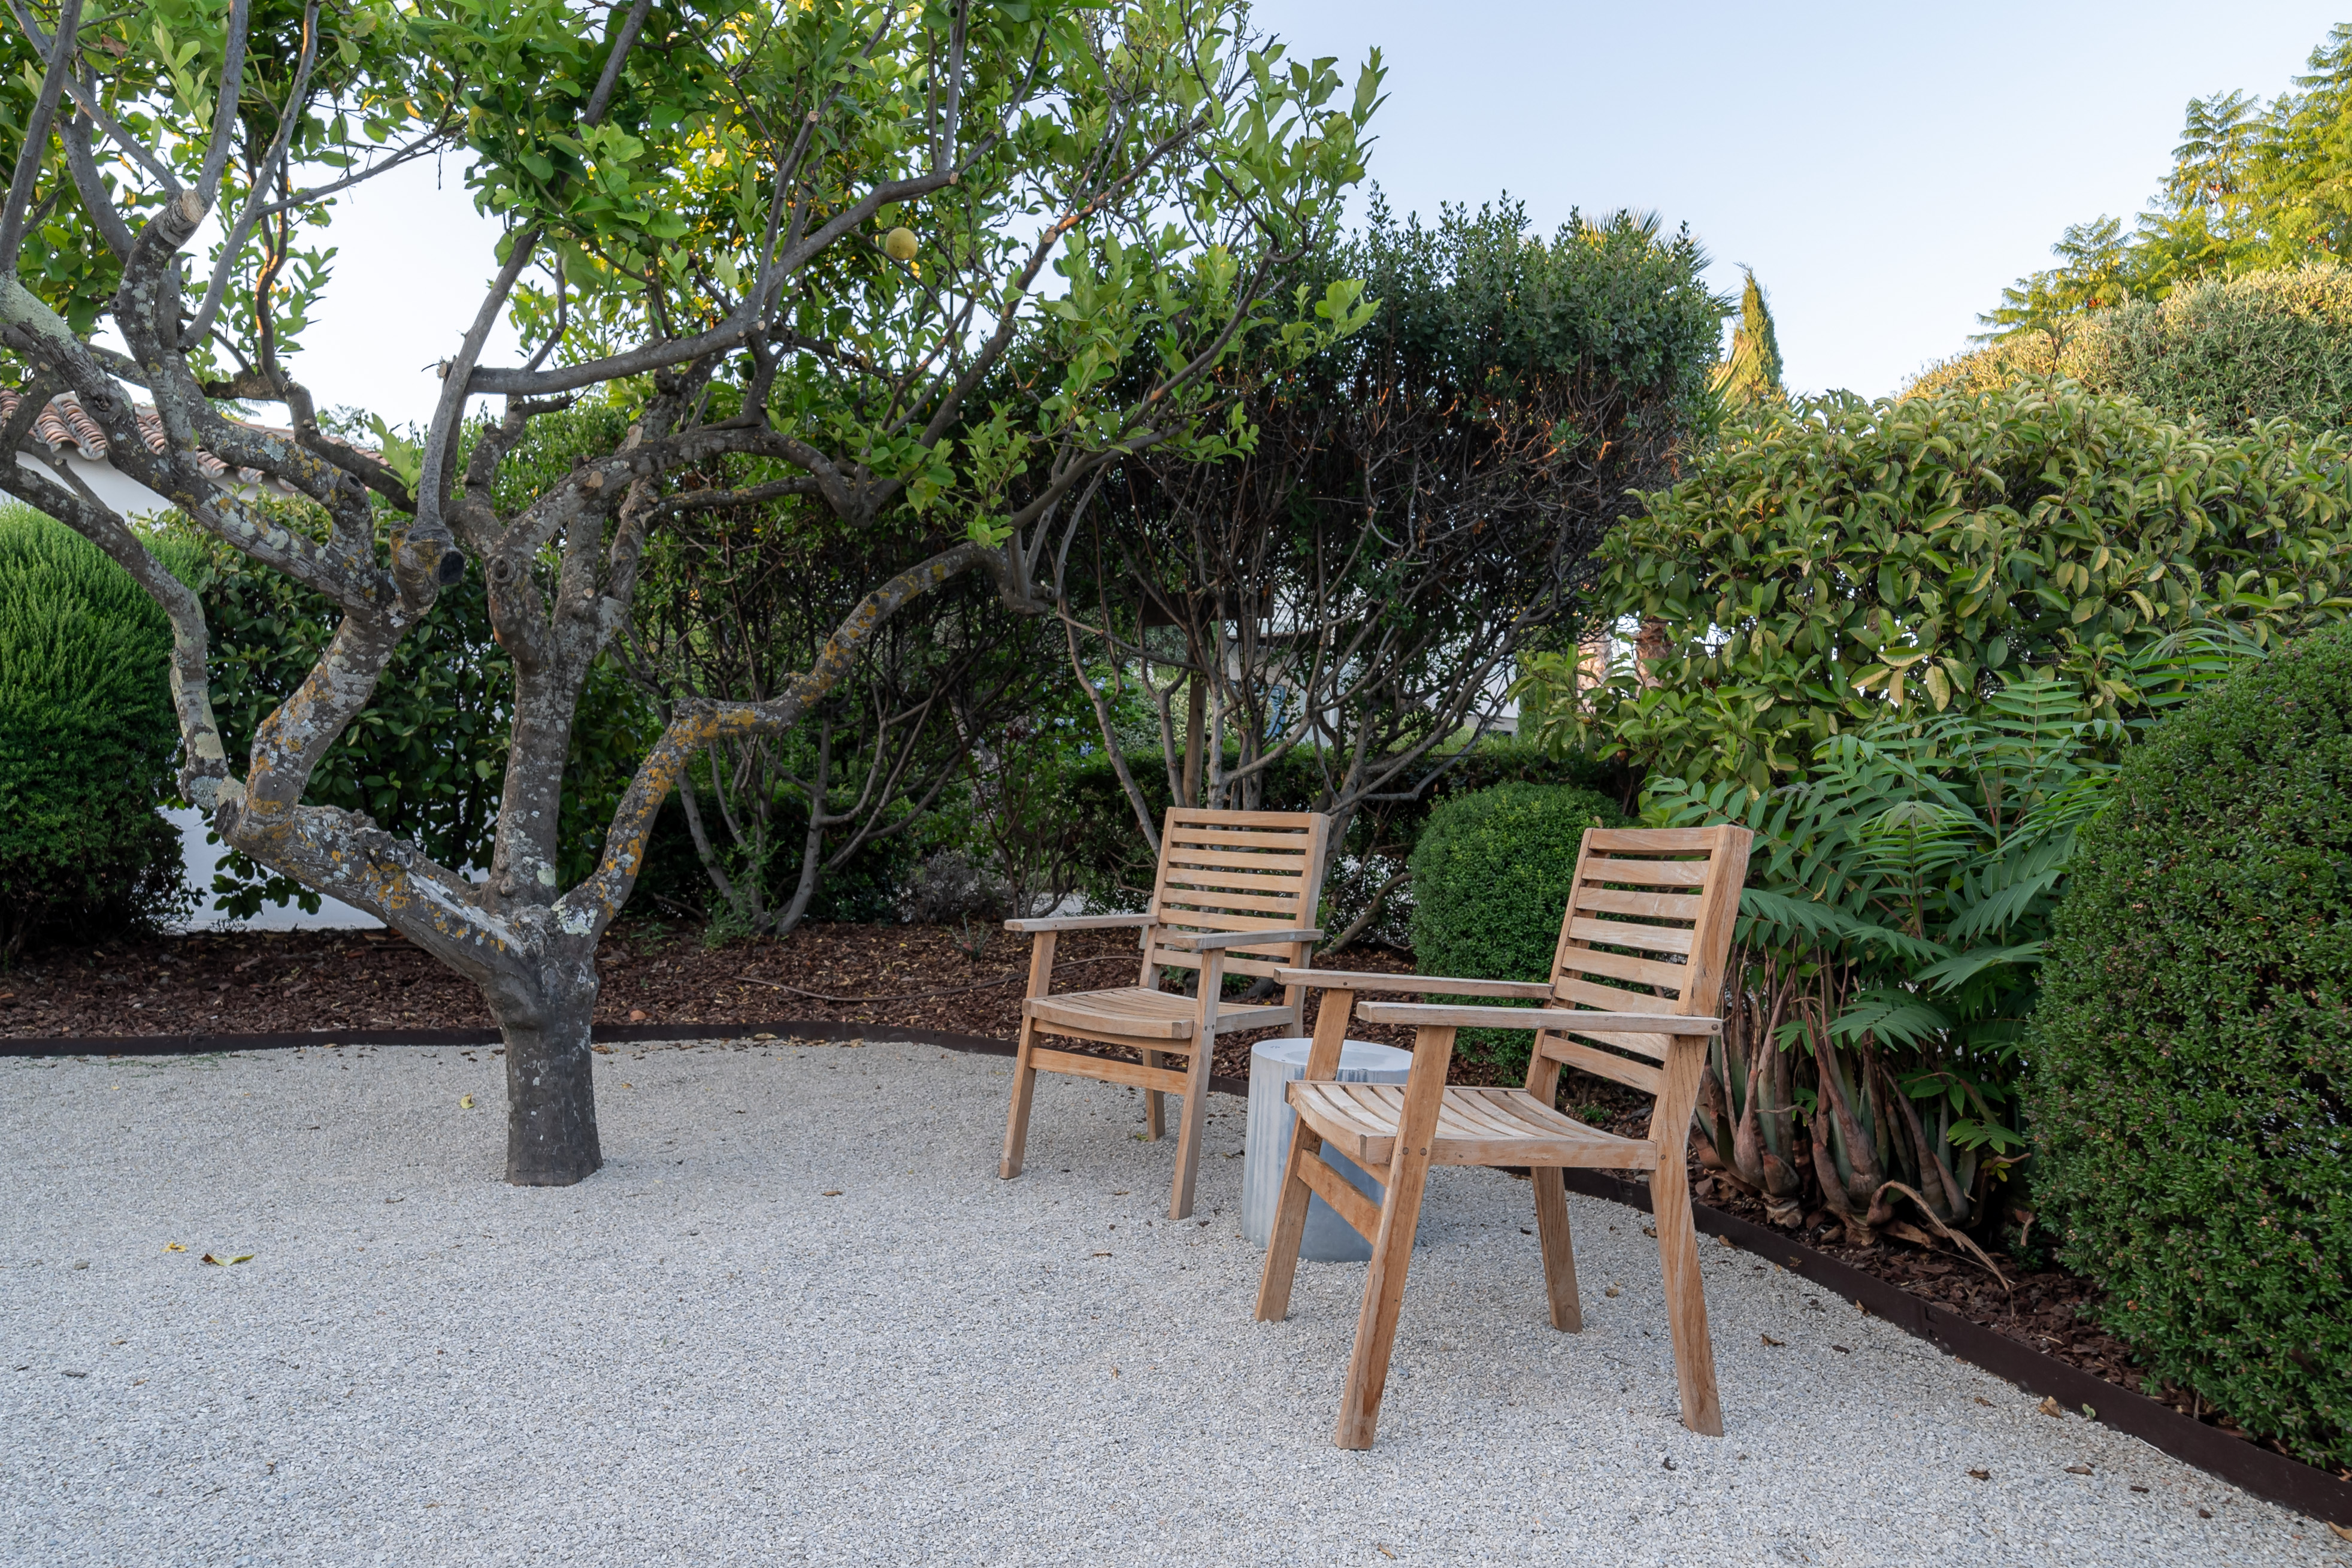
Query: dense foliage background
x=2233, y=352
x=1493, y=872
x=87, y=742
x=2191, y=1102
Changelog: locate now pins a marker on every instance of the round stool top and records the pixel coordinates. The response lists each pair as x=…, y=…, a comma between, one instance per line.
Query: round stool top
x=1359, y=1056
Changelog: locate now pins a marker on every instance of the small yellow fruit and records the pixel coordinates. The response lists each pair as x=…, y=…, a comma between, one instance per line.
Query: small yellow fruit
x=899, y=244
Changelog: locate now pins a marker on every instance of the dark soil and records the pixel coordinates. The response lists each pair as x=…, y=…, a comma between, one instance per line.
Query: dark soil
x=928, y=978
x=964, y=981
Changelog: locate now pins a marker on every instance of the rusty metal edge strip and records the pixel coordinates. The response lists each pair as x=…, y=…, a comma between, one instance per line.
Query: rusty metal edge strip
x=615, y=1034
x=2265, y=1474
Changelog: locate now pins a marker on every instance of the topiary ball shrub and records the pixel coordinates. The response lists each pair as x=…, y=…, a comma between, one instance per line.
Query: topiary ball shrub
x=2190, y=1097
x=87, y=742
x=1490, y=881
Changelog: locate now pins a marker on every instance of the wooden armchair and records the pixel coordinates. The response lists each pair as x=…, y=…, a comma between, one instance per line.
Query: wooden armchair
x=1651, y=912
x=1236, y=894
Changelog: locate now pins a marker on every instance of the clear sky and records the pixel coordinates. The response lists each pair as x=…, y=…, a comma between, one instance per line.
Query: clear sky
x=1885, y=169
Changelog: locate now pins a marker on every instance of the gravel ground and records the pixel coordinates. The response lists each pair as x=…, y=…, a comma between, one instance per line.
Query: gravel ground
x=796, y=1317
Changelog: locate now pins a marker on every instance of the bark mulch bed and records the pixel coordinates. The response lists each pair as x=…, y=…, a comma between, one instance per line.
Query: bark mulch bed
x=965, y=981
x=927, y=977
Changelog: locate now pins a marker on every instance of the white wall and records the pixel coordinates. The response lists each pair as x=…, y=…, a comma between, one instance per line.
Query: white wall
x=199, y=860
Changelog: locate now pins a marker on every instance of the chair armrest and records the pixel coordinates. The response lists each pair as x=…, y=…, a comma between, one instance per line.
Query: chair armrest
x=1078, y=922
x=1442, y=986
x=1202, y=940
x=1565, y=1019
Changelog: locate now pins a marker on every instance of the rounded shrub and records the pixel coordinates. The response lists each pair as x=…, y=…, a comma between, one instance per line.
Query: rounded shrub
x=87, y=741
x=1490, y=880
x=2191, y=1091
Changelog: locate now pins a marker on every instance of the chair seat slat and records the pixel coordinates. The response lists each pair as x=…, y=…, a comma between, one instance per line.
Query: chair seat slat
x=1238, y=859
x=1652, y=905
x=1632, y=933
x=1644, y=873
x=1625, y=966
x=1229, y=837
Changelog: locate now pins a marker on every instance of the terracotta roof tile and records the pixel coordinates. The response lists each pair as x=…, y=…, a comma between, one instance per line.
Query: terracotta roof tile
x=65, y=427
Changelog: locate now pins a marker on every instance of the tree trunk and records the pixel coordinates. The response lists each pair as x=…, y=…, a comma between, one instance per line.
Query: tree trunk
x=551, y=1095
x=1196, y=722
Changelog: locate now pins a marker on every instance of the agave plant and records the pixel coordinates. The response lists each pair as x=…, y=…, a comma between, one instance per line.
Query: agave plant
x=1890, y=943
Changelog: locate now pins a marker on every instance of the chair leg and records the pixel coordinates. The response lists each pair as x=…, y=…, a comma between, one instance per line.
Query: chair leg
x=1189, y=1132
x=1155, y=1104
x=1289, y=1226
x=1686, y=1300
x=1408, y=1175
x=1559, y=1249
x=1376, y=1324
x=1024, y=1089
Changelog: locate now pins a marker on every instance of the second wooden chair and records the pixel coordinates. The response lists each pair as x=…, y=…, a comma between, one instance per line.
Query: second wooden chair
x=1236, y=894
x=1639, y=969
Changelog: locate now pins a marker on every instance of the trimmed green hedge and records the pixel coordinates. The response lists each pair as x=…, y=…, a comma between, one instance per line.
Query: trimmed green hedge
x=87, y=741
x=2192, y=1096
x=1491, y=878
x=2233, y=352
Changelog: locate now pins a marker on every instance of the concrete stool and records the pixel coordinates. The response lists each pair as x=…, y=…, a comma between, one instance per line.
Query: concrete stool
x=1272, y=1064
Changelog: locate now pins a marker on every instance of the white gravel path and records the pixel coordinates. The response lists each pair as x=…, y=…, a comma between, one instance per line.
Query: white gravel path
x=698, y=1358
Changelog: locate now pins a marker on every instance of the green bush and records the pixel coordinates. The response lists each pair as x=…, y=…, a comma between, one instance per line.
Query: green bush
x=2233, y=352
x=87, y=741
x=1491, y=877
x=2191, y=1092
x=1831, y=557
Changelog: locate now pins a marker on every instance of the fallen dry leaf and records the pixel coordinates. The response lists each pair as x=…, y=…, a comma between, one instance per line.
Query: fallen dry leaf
x=174, y=1247
x=1770, y=1341
x=2051, y=1408
x=1649, y=1230
x=1611, y=1291
x=830, y=1193
x=466, y=1102
x=1981, y=1474
x=2342, y=1532
x=2078, y=1469
x=1723, y=1241
x=636, y=1015
x=601, y=1051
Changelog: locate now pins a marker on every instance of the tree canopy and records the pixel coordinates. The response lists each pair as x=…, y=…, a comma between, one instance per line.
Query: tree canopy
x=2254, y=185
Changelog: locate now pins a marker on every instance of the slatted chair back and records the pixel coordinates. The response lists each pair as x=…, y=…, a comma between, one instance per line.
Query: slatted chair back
x=1647, y=929
x=1237, y=871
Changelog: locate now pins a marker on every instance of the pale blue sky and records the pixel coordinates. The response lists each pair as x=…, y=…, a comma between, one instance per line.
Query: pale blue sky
x=1885, y=169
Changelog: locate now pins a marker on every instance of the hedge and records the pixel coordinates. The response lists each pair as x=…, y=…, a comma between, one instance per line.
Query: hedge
x=87, y=742
x=2233, y=351
x=1491, y=875
x=2190, y=1100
